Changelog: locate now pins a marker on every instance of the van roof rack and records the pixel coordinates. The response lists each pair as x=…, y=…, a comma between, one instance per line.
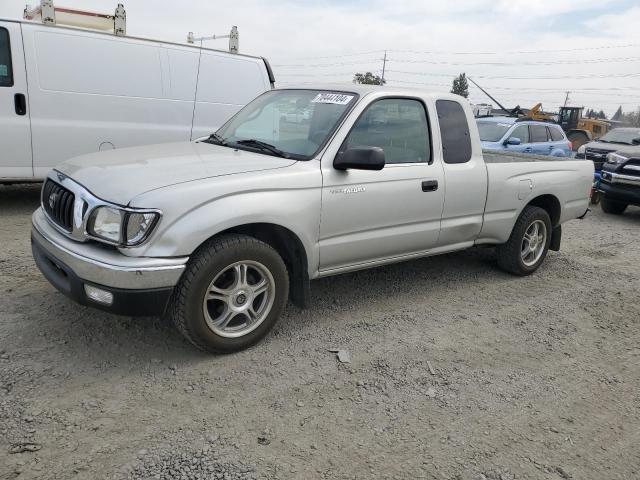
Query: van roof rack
x=49, y=14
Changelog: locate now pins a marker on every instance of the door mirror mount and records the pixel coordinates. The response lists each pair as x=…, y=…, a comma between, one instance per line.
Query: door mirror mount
x=360, y=158
x=512, y=141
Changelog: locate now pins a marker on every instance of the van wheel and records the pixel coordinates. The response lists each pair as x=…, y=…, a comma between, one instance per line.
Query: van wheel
x=528, y=244
x=231, y=295
x=616, y=208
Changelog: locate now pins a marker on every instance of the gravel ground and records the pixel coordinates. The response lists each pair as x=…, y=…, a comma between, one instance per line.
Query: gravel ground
x=457, y=371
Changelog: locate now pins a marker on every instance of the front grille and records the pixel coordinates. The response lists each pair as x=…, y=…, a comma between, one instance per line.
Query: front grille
x=58, y=202
x=632, y=167
x=597, y=156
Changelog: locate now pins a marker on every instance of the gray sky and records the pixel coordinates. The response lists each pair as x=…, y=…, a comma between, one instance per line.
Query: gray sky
x=522, y=51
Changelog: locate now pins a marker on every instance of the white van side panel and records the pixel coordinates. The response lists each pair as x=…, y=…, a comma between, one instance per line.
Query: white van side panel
x=90, y=92
x=15, y=131
x=225, y=85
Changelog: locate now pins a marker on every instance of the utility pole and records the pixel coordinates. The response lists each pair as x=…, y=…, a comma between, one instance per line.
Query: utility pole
x=384, y=65
x=566, y=99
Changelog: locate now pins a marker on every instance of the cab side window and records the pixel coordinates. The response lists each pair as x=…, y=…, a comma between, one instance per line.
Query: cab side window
x=454, y=130
x=538, y=133
x=521, y=132
x=6, y=72
x=397, y=125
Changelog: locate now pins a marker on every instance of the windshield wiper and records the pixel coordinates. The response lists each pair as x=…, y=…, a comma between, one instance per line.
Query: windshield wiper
x=216, y=139
x=267, y=147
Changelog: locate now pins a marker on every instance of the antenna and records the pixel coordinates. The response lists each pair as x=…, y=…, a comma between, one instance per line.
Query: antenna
x=234, y=39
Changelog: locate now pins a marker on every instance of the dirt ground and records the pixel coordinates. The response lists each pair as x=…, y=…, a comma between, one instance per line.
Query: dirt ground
x=458, y=371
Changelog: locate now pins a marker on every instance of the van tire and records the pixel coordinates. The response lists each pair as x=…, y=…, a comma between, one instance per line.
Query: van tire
x=613, y=207
x=215, y=258
x=509, y=254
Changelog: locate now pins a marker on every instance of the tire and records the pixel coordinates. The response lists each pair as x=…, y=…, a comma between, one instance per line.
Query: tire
x=510, y=254
x=215, y=272
x=613, y=207
x=577, y=139
x=595, y=198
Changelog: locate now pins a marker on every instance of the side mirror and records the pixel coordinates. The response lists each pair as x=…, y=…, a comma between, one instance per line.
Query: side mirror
x=636, y=141
x=512, y=141
x=360, y=158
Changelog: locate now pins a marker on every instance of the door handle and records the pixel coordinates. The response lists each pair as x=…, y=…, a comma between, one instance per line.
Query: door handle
x=20, y=102
x=528, y=149
x=430, y=185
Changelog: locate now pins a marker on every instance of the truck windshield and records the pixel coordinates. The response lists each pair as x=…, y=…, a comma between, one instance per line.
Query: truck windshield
x=492, y=131
x=621, y=136
x=286, y=123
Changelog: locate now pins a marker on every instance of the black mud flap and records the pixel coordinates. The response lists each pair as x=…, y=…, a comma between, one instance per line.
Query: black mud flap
x=556, y=238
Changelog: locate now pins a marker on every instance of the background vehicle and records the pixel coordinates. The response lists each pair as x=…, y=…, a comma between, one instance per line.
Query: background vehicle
x=219, y=232
x=618, y=138
x=69, y=91
x=524, y=136
x=579, y=129
x=620, y=180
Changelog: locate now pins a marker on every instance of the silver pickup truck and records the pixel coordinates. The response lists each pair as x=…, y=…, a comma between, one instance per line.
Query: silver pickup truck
x=219, y=233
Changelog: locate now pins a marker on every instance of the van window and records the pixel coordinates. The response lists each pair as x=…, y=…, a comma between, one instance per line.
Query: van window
x=6, y=72
x=454, y=130
x=398, y=126
x=97, y=65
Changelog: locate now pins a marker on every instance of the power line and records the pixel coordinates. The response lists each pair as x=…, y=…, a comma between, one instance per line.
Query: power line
x=572, y=77
x=509, y=52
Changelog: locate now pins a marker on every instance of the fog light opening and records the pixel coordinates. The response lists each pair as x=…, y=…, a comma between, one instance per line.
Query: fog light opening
x=98, y=295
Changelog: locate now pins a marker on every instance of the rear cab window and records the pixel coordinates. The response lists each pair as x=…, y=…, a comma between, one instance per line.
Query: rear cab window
x=454, y=131
x=6, y=70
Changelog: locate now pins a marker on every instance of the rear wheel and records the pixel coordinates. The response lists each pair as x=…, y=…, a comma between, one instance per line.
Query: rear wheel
x=577, y=139
x=232, y=293
x=613, y=207
x=528, y=244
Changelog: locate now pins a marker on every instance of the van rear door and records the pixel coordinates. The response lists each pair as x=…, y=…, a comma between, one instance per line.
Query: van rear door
x=15, y=126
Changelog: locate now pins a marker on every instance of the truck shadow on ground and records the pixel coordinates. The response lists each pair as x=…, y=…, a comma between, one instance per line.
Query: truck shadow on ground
x=19, y=198
x=86, y=332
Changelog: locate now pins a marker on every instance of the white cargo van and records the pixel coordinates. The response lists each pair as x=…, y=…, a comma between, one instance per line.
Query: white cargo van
x=70, y=91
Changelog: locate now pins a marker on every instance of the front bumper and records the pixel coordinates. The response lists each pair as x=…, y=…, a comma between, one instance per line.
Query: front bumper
x=139, y=286
x=620, y=188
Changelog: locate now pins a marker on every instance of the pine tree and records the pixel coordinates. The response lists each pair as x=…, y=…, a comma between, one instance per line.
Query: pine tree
x=460, y=86
x=618, y=114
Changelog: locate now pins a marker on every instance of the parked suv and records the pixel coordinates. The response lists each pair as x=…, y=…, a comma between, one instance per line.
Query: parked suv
x=619, y=138
x=620, y=180
x=523, y=136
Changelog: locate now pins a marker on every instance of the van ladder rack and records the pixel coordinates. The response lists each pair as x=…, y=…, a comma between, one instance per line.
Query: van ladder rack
x=234, y=39
x=48, y=14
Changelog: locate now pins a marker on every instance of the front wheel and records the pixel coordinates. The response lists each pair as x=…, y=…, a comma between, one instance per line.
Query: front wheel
x=615, y=208
x=231, y=295
x=528, y=244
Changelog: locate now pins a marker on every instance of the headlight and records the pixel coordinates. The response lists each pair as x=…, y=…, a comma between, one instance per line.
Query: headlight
x=139, y=226
x=582, y=149
x=121, y=227
x=616, y=159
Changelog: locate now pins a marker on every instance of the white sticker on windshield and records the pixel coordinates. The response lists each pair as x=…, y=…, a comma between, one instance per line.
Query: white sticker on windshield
x=335, y=98
x=4, y=71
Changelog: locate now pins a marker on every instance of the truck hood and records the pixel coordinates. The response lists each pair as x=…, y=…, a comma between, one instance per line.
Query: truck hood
x=621, y=148
x=120, y=175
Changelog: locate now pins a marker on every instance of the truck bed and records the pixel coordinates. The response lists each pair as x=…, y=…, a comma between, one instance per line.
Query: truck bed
x=491, y=156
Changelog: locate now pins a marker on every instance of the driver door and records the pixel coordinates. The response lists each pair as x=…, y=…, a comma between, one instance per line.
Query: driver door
x=373, y=216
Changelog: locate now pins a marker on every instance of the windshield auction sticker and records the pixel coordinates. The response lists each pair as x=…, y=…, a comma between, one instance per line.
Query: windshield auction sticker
x=335, y=98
